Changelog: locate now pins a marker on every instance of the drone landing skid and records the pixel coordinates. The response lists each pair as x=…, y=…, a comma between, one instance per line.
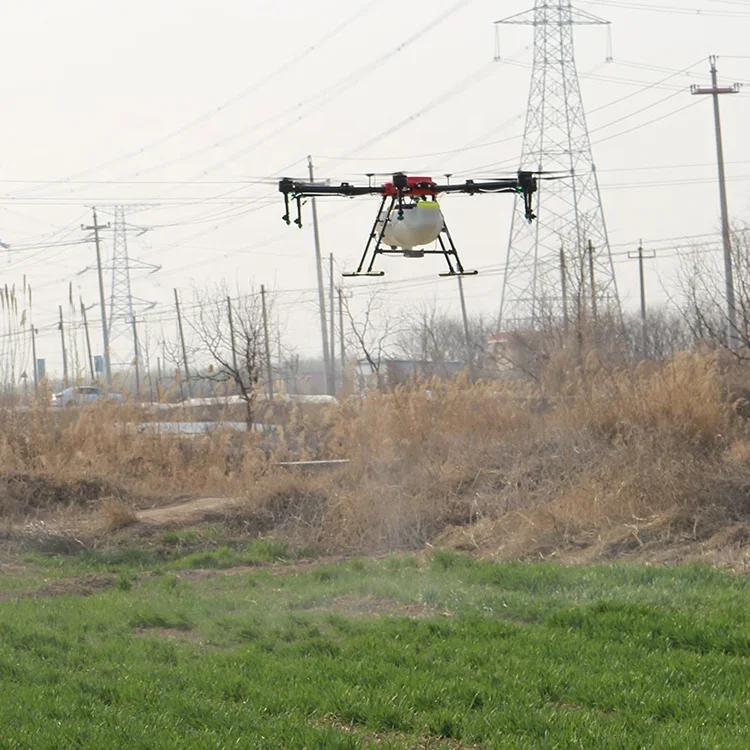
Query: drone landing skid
x=375, y=247
x=459, y=273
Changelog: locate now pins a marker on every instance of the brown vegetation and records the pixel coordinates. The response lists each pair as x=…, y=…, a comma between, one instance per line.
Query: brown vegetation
x=614, y=460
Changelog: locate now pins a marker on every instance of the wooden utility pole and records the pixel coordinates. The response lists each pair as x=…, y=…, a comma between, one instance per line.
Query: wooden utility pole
x=283, y=374
x=163, y=369
x=642, y=277
x=564, y=287
x=231, y=336
x=321, y=286
x=33, y=354
x=178, y=378
x=592, y=282
x=64, y=350
x=182, y=342
x=332, y=300
x=136, y=361
x=269, y=366
x=88, y=340
x=467, y=336
x=341, y=333
x=715, y=91
x=95, y=227
x=147, y=358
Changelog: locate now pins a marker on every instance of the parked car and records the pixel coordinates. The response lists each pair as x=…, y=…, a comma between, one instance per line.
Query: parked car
x=82, y=394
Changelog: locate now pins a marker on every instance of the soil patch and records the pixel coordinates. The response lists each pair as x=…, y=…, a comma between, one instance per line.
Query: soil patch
x=79, y=586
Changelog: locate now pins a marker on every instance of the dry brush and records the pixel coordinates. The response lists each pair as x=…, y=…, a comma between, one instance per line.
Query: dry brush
x=612, y=459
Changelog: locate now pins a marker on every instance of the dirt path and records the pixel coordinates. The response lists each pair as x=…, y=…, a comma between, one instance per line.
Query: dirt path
x=192, y=511
x=85, y=585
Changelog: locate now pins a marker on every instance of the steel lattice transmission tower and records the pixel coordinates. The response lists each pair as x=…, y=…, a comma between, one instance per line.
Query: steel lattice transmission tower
x=570, y=213
x=123, y=306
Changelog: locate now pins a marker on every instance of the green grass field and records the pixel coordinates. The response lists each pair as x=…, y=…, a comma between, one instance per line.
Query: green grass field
x=440, y=652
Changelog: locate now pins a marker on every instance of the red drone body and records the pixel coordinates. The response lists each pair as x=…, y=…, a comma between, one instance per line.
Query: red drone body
x=422, y=187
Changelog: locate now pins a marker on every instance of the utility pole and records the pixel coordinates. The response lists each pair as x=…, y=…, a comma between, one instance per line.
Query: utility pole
x=341, y=333
x=332, y=298
x=231, y=336
x=136, y=361
x=269, y=367
x=182, y=342
x=178, y=378
x=564, y=287
x=643, y=295
x=280, y=357
x=467, y=337
x=715, y=91
x=102, y=302
x=592, y=282
x=64, y=350
x=321, y=287
x=88, y=340
x=641, y=273
x=33, y=342
x=147, y=361
x=33, y=354
x=163, y=369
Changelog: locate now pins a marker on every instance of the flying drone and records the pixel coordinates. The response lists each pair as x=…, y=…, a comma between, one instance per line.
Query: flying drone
x=409, y=217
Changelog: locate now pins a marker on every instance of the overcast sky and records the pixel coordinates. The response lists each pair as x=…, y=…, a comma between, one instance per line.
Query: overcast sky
x=189, y=112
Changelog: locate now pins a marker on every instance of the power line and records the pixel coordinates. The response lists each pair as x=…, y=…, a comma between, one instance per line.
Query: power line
x=670, y=9
x=646, y=124
x=496, y=142
x=288, y=65
x=313, y=102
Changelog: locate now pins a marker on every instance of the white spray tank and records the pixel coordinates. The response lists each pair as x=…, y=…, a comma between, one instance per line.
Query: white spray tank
x=420, y=224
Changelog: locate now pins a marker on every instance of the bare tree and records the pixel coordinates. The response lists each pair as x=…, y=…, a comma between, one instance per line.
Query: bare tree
x=665, y=333
x=229, y=332
x=704, y=297
x=432, y=336
x=372, y=333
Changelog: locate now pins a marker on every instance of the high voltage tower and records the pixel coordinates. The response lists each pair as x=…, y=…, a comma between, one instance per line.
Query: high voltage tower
x=123, y=306
x=570, y=235
x=120, y=320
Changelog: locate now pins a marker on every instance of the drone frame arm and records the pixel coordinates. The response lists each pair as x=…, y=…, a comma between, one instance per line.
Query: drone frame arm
x=524, y=184
x=295, y=190
x=315, y=189
x=470, y=187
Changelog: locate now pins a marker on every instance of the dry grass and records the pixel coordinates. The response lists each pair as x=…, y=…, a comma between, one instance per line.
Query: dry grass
x=613, y=460
x=116, y=515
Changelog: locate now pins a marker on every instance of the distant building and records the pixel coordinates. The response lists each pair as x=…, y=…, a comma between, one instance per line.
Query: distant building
x=393, y=372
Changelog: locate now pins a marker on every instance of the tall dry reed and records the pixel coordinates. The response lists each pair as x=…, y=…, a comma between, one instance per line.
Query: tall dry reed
x=512, y=465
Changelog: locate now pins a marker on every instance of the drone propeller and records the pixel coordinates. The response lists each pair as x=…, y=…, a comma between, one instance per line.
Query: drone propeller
x=546, y=171
x=536, y=175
